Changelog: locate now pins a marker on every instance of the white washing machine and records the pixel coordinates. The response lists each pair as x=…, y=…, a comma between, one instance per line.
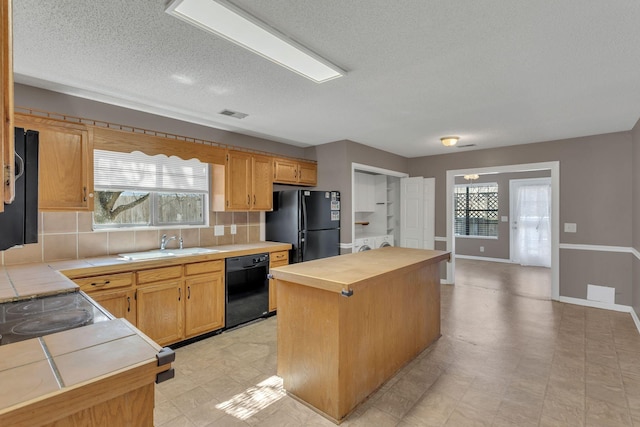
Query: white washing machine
x=383, y=241
x=364, y=244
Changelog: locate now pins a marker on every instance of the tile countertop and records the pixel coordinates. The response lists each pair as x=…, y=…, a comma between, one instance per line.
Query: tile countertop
x=28, y=280
x=44, y=366
x=43, y=369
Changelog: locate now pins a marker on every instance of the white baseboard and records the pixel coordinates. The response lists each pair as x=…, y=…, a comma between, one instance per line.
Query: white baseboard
x=480, y=258
x=634, y=316
x=597, y=304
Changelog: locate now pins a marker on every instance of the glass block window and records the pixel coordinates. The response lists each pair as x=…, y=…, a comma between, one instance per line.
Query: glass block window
x=476, y=207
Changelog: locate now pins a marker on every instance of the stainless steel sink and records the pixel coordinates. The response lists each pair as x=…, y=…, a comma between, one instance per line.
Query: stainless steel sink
x=166, y=253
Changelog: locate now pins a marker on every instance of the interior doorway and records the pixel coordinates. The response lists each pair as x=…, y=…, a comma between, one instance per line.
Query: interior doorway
x=554, y=168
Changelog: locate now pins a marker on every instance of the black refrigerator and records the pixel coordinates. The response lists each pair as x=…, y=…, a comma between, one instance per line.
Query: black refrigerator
x=309, y=220
x=19, y=221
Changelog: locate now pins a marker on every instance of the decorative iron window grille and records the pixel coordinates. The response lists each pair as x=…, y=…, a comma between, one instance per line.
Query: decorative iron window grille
x=476, y=210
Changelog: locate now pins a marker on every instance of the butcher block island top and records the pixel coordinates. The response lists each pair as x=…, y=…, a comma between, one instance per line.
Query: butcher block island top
x=347, y=324
x=340, y=273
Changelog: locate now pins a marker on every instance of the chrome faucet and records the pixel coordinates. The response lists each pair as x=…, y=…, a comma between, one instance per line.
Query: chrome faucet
x=165, y=240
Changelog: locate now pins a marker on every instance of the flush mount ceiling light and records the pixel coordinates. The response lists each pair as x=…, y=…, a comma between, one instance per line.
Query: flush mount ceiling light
x=236, y=25
x=472, y=177
x=449, y=141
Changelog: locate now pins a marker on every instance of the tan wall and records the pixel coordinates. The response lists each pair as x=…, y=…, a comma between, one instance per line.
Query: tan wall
x=495, y=248
x=69, y=235
x=595, y=193
x=635, y=135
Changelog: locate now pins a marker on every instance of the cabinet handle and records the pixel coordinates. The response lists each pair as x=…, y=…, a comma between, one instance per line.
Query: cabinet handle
x=295, y=174
x=179, y=294
x=254, y=200
x=248, y=200
x=188, y=292
x=128, y=304
x=84, y=194
x=106, y=282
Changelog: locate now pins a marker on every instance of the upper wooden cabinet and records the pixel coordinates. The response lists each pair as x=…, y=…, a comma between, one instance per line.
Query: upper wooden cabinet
x=65, y=172
x=6, y=108
x=289, y=171
x=244, y=183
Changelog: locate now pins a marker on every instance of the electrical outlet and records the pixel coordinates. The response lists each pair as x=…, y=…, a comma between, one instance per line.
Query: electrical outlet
x=481, y=248
x=570, y=227
x=218, y=230
x=234, y=229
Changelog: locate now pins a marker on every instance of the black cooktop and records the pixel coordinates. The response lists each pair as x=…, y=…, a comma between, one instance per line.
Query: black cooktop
x=21, y=320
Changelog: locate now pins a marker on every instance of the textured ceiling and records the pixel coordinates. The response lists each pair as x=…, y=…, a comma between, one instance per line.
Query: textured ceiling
x=494, y=72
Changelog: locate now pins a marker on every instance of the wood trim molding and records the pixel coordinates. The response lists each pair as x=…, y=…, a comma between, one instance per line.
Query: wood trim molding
x=123, y=138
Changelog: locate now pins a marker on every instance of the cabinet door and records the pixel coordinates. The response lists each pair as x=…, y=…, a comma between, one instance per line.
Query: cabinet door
x=238, y=177
x=308, y=173
x=262, y=183
x=160, y=309
x=204, y=311
x=285, y=171
x=277, y=259
x=6, y=108
x=121, y=304
x=65, y=169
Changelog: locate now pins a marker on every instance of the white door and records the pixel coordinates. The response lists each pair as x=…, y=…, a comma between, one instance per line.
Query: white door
x=429, y=213
x=531, y=221
x=412, y=212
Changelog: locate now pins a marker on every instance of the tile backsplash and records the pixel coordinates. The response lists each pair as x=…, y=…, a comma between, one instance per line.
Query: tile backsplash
x=69, y=235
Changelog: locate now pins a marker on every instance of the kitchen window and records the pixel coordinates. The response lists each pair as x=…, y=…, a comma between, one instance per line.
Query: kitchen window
x=138, y=190
x=476, y=207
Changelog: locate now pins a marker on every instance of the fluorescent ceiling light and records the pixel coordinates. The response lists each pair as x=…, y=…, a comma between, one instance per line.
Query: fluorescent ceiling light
x=234, y=24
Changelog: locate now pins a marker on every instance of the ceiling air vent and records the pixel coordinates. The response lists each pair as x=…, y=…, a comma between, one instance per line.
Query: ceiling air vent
x=465, y=146
x=233, y=114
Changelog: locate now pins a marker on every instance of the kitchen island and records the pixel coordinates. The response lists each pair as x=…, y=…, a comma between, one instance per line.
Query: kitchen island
x=346, y=324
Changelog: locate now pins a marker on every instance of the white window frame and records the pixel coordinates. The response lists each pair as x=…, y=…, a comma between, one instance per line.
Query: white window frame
x=155, y=185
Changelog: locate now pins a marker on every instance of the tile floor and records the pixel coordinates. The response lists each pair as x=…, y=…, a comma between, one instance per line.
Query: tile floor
x=504, y=359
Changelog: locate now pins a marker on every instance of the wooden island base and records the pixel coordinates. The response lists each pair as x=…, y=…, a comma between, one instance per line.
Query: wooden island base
x=335, y=350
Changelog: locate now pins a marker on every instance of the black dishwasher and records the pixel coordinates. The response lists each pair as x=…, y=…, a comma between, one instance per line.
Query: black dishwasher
x=247, y=289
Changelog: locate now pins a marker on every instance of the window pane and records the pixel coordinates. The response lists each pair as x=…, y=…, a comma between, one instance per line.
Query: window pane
x=180, y=208
x=476, y=210
x=118, y=208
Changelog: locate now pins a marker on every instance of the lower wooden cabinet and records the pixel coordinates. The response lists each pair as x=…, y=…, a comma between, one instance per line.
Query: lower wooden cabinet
x=171, y=303
x=276, y=259
x=160, y=309
x=204, y=304
x=204, y=309
x=114, y=292
x=122, y=304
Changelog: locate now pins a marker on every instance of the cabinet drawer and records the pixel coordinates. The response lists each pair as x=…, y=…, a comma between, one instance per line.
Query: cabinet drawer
x=108, y=281
x=156, y=274
x=203, y=267
x=275, y=264
x=278, y=256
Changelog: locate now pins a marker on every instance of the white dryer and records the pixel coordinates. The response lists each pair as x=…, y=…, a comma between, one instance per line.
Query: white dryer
x=383, y=241
x=364, y=244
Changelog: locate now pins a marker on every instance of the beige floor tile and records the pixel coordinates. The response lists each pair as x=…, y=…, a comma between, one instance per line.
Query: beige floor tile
x=466, y=417
x=433, y=409
x=605, y=414
x=556, y=413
